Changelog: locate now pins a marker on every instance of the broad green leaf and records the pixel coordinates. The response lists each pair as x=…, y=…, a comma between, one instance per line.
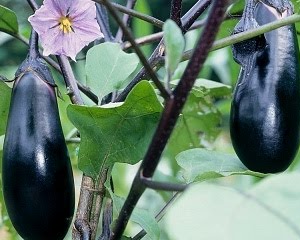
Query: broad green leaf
x=140, y=216
x=120, y=133
x=108, y=67
x=197, y=126
x=270, y=210
x=174, y=43
x=8, y=21
x=5, y=93
x=200, y=164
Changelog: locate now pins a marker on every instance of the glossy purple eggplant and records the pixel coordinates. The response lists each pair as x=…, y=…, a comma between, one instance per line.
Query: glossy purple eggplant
x=37, y=176
x=265, y=111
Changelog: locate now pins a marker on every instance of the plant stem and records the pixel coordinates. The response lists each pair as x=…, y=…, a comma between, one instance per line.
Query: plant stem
x=170, y=114
x=70, y=80
x=138, y=51
x=191, y=16
x=84, y=230
x=155, y=58
x=84, y=208
x=144, y=17
x=103, y=22
x=98, y=202
x=176, y=7
x=126, y=20
x=34, y=6
x=107, y=220
x=164, y=186
x=33, y=45
x=157, y=36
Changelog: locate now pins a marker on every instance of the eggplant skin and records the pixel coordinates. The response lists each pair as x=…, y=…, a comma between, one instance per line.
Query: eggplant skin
x=265, y=111
x=37, y=176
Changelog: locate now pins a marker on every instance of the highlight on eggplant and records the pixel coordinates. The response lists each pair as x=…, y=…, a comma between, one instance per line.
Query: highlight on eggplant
x=265, y=111
x=38, y=184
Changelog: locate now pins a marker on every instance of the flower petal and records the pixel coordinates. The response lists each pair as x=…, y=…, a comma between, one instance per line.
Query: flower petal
x=87, y=31
x=54, y=39
x=83, y=10
x=42, y=21
x=72, y=45
x=52, y=42
x=52, y=6
x=63, y=5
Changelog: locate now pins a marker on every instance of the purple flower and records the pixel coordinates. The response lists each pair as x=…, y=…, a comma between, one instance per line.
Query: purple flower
x=66, y=26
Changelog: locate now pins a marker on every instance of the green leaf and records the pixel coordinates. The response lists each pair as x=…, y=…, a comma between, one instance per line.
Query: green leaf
x=270, y=210
x=140, y=216
x=116, y=133
x=213, y=89
x=108, y=67
x=174, y=43
x=197, y=126
x=8, y=21
x=5, y=93
x=203, y=87
x=200, y=164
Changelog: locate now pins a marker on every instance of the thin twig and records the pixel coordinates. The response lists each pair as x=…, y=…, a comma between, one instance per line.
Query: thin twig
x=192, y=15
x=34, y=6
x=158, y=217
x=156, y=22
x=170, y=114
x=70, y=80
x=126, y=20
x=103, y=22
x=138, y=51
x=144, y=40
x=157, y=36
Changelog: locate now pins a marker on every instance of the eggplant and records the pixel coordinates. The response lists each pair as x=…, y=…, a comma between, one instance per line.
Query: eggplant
x=265, y=111
x=38, y=184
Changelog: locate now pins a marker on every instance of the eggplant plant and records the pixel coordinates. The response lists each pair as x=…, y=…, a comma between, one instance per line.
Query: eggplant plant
x=139, y=85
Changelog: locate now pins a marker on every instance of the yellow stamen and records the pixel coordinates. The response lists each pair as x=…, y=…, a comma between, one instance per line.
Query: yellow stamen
x=65, y=24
